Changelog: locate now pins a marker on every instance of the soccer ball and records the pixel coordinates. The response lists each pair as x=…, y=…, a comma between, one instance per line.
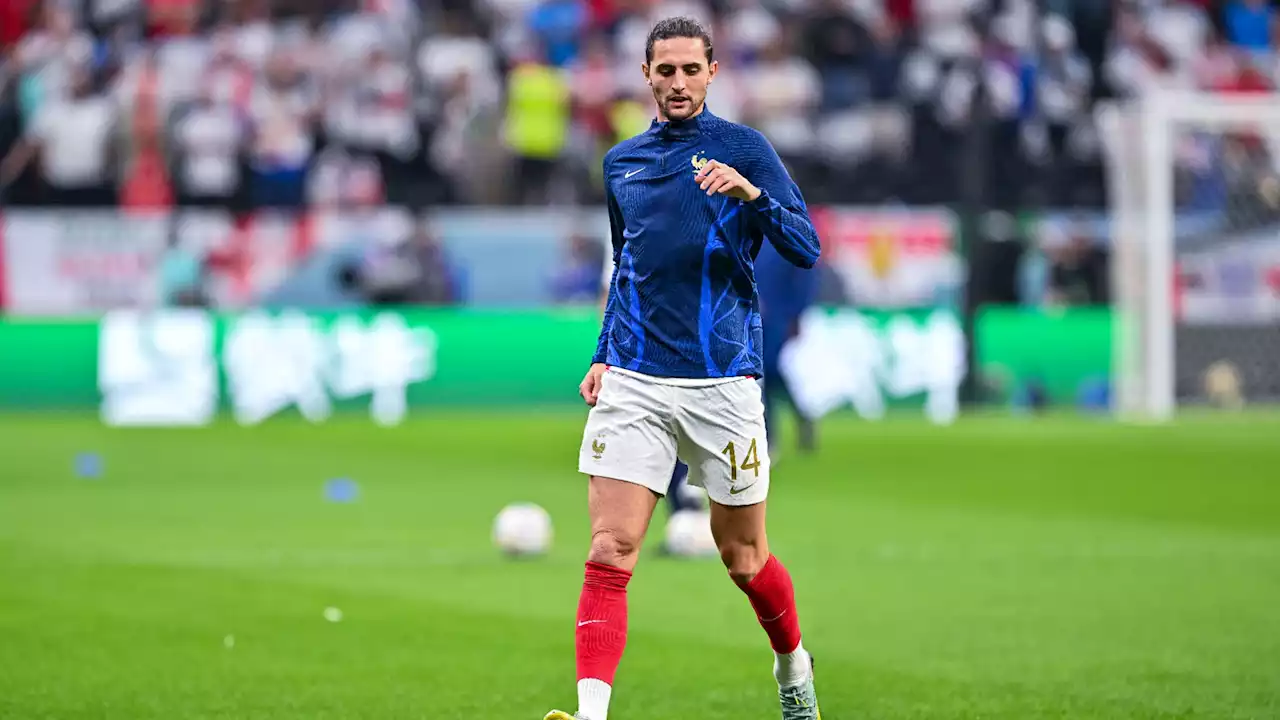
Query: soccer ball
x=693, y=496
x=522, y=529
x=689, y=534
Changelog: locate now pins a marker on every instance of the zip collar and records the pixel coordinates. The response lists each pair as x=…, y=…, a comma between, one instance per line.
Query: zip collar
x=682, y=128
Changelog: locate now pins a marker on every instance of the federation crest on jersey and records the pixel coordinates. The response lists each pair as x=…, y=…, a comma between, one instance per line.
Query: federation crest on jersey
x=698, y=160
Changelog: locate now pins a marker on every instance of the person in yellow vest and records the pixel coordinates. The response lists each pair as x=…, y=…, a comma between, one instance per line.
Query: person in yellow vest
x=629, y=117
x=537, y=126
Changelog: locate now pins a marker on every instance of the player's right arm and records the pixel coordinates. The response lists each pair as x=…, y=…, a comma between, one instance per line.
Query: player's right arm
x=590, y=387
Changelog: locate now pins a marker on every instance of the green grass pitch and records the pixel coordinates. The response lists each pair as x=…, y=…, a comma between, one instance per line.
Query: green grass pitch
x=1000, y=568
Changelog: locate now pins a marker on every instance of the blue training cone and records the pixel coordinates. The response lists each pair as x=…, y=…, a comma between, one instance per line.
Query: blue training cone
x=341, y=490
x=88, y=466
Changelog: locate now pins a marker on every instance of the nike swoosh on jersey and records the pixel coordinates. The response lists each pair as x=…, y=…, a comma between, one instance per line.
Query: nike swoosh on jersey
x=633, y=172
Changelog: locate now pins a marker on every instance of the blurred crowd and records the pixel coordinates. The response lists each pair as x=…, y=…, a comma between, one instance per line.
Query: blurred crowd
x=289, y=103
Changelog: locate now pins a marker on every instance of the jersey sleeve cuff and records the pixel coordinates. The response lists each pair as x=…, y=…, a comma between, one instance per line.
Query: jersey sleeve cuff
x=763, y=202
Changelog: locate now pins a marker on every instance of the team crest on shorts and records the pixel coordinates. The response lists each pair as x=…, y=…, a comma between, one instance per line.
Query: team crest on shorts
x=597, y=448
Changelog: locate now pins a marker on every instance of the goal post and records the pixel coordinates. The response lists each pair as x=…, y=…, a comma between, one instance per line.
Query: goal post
x=1194, y=211
x=1135, y=141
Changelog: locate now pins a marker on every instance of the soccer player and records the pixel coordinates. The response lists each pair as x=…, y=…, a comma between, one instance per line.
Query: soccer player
x=786, y=291
x=690, y=202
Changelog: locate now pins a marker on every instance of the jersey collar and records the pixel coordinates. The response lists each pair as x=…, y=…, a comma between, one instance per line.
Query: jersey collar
x=682, y=128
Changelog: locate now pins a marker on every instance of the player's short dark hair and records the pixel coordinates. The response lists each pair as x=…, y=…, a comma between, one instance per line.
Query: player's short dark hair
x=677, y=27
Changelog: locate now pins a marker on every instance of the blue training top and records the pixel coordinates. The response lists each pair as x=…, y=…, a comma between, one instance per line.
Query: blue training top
x=682, y=299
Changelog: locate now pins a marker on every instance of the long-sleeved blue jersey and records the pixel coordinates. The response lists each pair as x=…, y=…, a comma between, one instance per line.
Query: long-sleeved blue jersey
x=682, y=299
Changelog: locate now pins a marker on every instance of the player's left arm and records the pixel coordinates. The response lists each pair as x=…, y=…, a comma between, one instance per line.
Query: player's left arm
x=770, y=198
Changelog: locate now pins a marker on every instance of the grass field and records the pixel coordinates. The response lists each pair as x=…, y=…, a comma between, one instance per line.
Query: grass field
x=1056, y=568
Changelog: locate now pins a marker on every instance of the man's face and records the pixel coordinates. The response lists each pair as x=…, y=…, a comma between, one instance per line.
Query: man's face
x=679, y=75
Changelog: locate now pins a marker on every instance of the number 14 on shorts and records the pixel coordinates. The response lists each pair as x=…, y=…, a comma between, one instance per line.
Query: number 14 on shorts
x=751, y=461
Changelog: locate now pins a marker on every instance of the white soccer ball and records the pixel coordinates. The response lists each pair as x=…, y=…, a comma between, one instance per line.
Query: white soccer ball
x=695, y=496
x=689, y=534
x=523, y=529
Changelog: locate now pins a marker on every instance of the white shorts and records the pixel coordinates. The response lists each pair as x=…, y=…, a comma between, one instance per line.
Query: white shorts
x=639, y=426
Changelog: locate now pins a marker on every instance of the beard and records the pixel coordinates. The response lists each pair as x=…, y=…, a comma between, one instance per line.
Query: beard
x=680, y=107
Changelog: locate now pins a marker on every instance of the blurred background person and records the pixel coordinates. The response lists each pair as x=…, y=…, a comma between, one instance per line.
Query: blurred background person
x=786, y=293
x=72, y=142
x=578, y=280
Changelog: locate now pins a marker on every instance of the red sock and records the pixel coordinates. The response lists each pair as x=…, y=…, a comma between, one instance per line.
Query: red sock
x=602, y=621
x=774, y=600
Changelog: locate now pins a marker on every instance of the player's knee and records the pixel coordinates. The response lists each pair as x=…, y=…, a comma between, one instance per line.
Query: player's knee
x=743, y=560
x=610, y=547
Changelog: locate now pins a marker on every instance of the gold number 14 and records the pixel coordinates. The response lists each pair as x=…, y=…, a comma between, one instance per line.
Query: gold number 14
x=750, y=462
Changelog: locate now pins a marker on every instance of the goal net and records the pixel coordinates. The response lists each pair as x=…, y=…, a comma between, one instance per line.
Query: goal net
x=1194, y=201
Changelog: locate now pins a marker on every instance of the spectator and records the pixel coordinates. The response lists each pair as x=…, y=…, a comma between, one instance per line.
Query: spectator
x=461, y=107
x=419, y=272
x=247, y=98
x=1250, y=23
x=282, y=114
x=72, y=142
x=558, y=26
x=145, y=182
x=48, y=57
x=382, y=123
x=1137, y=61
x=594, y=87
x=1078, y=272
x=537, y=125
x=578, y=282
x=1063, y=86
x=208, y=134
x=784, y=92
x=835, y=41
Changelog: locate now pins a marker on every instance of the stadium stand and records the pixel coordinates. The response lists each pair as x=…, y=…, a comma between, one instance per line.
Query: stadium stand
x=250, y=103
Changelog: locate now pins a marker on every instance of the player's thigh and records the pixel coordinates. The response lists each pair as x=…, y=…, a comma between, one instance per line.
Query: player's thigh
x=630, y=433
x=722, y=436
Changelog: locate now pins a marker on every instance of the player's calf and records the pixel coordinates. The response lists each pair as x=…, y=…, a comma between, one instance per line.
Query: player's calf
x=744, y=548
x=740, y=536
x=620, y=514
x=744, y=560
x=601, y=636
x=773, y=598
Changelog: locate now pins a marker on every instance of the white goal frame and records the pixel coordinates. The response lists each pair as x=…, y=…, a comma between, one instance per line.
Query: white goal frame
x=1137, y=138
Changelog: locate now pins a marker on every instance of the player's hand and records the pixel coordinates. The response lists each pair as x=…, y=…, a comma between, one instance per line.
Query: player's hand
x=590, y=387
x=716, y=177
